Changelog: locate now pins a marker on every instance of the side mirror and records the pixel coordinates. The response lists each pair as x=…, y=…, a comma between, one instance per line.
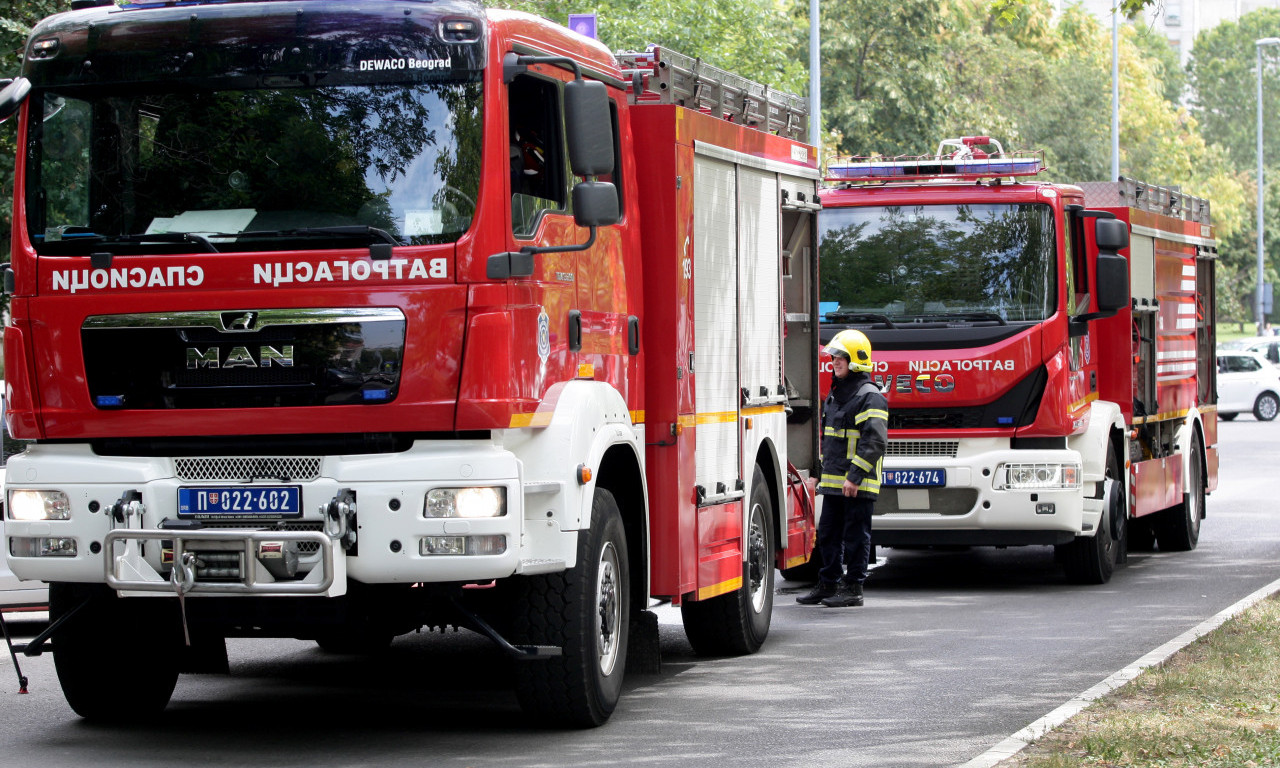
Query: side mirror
x=595, y=204
x=1111, y=235
x=1113, y=281
x=12, y=95
x=589, y=127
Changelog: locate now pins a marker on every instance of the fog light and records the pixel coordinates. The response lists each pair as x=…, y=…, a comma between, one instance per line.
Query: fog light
x=42, y=546
x=1045, y=509
x=466, y=502
x=39, y=505
x=463, y=545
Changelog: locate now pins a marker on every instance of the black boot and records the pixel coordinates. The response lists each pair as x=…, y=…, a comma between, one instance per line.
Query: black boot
x=847, y=596
x=821, y=591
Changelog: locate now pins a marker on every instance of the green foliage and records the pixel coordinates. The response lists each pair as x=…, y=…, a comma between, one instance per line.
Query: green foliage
x=751, y=38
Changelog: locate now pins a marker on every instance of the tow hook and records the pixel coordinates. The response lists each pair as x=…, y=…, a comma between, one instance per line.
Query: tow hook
x=128, y=505
x=340, y=519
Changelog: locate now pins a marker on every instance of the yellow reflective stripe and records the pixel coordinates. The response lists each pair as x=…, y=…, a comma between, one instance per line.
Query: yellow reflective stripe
x=871, y=413
x=863, y=464
x=723, y=587
x=833, y=432
x=722, y=417
x=832, y=481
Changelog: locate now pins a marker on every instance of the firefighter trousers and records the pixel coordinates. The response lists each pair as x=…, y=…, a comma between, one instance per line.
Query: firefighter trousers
x=844, y=538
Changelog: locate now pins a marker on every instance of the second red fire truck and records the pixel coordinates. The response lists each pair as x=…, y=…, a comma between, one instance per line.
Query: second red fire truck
x=1047, y=350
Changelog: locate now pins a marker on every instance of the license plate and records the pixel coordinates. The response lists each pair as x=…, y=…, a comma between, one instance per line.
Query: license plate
x=915, y=478
x=240, y=503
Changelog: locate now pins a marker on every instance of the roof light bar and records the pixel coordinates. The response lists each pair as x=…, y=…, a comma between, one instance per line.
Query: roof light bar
x=966, y=161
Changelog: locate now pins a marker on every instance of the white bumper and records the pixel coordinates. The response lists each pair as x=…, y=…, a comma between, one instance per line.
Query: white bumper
x=973, y=502
x=390, y=525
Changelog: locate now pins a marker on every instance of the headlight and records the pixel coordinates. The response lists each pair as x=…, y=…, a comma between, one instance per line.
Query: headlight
x=466, y=502
x=39, y=505
x=1045, y=476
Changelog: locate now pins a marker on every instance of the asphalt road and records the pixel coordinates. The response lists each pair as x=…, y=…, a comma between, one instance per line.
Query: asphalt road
x=952, y=653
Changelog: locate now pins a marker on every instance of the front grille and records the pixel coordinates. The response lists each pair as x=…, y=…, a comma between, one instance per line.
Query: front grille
x=246, y=468
x=923, y=448
x=304, y=547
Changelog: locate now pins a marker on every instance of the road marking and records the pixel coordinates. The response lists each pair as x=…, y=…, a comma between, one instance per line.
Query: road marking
x=1020, y=740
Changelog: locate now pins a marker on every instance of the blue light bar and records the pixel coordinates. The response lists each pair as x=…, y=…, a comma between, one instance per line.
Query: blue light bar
x=109, y=401
x=376, y=394
x=936, y=167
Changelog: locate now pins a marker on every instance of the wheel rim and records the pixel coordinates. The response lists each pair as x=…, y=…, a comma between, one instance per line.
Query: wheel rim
x=609, y=609
x=757, y=559
x=1267, y=407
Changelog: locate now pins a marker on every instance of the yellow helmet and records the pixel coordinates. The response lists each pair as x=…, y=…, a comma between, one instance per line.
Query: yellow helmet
x=854, y=346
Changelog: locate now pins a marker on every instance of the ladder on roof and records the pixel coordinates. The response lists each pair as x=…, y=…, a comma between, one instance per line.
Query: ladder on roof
x=666, y=77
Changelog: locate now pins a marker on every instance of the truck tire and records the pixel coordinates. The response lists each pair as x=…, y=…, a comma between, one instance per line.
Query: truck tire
x=117, y=659
x=737, y=623
x=586, y=611
x=1178, y=528
x=1092, y=560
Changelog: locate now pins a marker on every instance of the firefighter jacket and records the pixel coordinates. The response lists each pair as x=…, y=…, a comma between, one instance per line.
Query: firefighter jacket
x=855, y=424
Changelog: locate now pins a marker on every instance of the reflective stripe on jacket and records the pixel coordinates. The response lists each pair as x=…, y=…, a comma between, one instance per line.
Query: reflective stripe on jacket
x=855, y=423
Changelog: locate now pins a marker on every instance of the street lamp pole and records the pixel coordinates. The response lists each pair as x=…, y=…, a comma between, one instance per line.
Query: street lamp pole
x=1258, y=299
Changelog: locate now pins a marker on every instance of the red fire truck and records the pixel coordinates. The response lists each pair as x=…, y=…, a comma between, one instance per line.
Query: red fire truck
x=335, y=320
x=1047, y=350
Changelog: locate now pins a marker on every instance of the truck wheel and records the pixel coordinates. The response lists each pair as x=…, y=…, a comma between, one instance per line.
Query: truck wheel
x=98, y=681
x=585, y=611
x=1266, y=406
x=1092, y=560
x=1227, y=416
x=1178, y=528
x=737, y=622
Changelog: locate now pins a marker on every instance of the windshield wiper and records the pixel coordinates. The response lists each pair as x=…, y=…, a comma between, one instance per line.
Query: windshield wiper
x=972, y=316
x=852, y=317
x=152, y=237
x=357, y=230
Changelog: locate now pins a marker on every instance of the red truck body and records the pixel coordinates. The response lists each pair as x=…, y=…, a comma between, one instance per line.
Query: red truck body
x=1045, y=387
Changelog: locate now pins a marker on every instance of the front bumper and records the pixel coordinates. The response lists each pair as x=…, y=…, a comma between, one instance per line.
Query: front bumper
x=971, y=508
x=142, y=547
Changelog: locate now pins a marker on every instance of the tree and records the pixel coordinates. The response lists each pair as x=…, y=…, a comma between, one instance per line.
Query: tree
x=750, y=38
x=884, y=83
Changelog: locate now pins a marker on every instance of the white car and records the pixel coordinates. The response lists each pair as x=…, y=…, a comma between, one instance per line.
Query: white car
x=1247, y=383
x=1267, y=346
x=14, y=594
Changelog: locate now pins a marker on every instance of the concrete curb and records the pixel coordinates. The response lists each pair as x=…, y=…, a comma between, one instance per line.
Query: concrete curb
x=1018, y=741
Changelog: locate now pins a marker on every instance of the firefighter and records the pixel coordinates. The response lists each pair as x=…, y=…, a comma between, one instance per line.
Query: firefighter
x=855, y=419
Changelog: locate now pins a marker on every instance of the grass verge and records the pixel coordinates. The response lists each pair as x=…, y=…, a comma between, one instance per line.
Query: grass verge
x=1214, y=704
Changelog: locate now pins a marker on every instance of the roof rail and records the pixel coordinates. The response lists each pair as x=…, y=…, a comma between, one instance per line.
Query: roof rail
x=658, y=75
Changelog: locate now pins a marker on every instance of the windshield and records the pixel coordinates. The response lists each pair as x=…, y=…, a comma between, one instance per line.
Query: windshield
x=134, y=171
x=937, y=263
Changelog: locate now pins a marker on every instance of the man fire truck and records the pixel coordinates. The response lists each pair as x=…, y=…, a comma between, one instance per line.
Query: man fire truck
x=335, y=320
x=1047, y=350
